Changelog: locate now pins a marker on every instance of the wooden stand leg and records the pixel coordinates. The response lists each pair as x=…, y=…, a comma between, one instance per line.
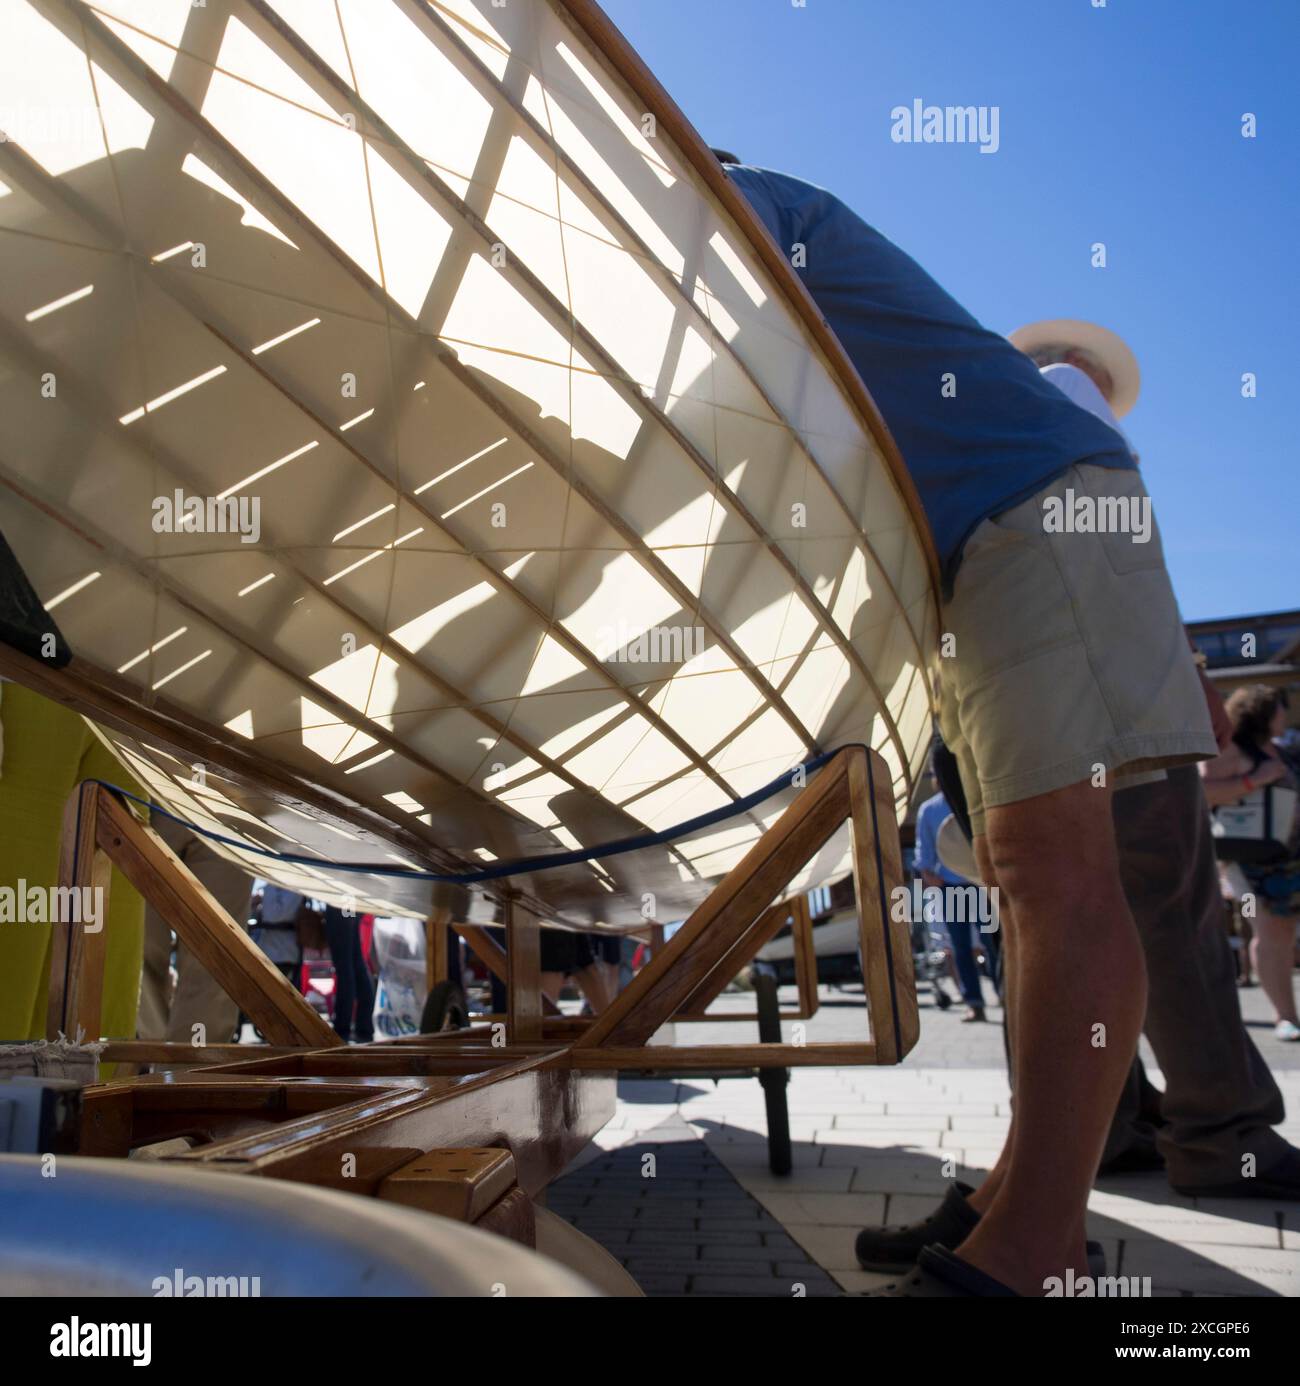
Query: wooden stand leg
x=100, y=831
x=805, y=957
x=524, y=968
x=78, y=947
x=436, y=966
x=886, y=941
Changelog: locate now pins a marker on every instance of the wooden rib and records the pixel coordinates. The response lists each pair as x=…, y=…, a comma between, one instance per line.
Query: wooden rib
x=472, y=66
x=154, y=93
x=437, y=958
x=794, y=909
x=485, y=948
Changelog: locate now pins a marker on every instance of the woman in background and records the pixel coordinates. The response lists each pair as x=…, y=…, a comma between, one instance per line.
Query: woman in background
x=1249, y=763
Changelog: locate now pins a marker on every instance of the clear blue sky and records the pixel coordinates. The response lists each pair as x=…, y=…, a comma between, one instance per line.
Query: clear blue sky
x=1120, y=125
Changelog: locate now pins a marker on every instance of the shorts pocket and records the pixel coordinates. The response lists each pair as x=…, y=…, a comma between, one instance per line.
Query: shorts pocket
x=1010, y=604
x=1122, y=517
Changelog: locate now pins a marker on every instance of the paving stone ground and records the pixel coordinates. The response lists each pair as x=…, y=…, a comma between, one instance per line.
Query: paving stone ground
x=875, y=1145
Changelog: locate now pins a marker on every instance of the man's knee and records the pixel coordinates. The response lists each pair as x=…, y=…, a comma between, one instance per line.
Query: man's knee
x=1061, y=841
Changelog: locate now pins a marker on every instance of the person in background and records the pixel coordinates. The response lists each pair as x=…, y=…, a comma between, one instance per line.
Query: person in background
x=607, y=955
x=354, y=988
x=580, y=956
x=930, y=817
x=276, y=930
x=1251, y=762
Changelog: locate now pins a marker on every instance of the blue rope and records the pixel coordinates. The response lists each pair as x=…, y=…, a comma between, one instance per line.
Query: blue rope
x=501, y=869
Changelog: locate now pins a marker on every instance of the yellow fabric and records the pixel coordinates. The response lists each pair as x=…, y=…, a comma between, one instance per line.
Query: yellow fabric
x=47, y=751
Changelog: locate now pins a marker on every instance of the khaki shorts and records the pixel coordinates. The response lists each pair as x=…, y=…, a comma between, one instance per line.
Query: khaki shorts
x=1067, y=651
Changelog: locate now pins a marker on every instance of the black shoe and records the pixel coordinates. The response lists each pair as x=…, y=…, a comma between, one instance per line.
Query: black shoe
x=895, y=1250
x=938, y=1274
x=1280, y=1181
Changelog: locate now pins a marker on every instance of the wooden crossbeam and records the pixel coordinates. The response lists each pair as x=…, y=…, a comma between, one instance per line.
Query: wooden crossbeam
x=732, y=907
x=793, y=911
x=436, y=956
x=99, y=829
x=524, y=973
x=805, y=957
x=736, y=959
x=855, y=786
x=77, y=953
x=713, y=1058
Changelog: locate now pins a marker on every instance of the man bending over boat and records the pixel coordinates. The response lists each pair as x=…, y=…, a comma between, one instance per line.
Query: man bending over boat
x=1069, y=678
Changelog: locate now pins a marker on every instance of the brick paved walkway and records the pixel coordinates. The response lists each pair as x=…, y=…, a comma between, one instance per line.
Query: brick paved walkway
x=872, y=1146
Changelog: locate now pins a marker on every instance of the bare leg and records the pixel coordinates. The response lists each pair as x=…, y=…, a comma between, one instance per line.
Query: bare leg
x=1273, y=951
x=1077, y=996
x=551, y=984
x=609, y=971
x=983, y=1197
x=592, y=982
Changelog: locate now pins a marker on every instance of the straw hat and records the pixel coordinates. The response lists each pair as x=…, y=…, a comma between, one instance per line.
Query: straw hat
x=1108, y=347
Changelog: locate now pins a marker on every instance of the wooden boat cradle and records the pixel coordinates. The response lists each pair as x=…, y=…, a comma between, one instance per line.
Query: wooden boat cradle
x=471, y=1124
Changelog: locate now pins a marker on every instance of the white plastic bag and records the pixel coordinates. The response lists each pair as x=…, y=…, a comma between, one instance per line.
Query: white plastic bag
x=400, y=993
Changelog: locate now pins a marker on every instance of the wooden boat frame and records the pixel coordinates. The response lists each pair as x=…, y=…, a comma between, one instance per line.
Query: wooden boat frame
x=115, y=702
x=473, y=1123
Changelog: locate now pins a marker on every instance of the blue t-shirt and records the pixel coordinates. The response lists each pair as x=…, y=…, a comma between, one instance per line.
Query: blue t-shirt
x=1005, y=434
x=930, y=817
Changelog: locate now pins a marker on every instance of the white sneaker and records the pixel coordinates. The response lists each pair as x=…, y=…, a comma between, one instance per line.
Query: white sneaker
x=1286, y=1030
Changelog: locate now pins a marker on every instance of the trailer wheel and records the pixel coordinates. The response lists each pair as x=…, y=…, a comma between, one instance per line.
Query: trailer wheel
x=780, y=1158
x=444, y=1009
